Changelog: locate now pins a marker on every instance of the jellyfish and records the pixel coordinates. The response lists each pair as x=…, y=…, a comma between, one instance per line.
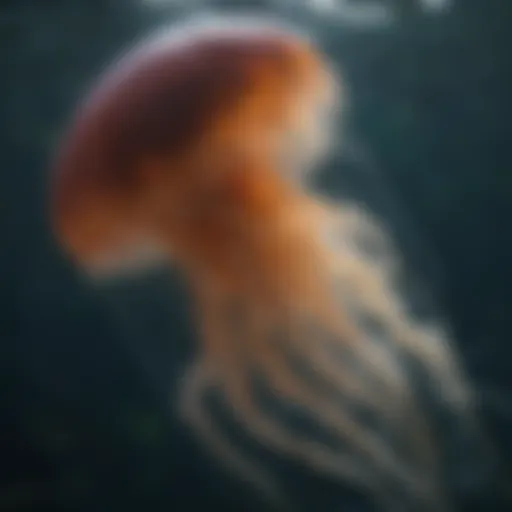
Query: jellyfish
x=195, y=150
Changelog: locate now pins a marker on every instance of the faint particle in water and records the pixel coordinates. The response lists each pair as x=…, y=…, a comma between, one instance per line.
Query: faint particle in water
x=435, y=6
x=367, y=13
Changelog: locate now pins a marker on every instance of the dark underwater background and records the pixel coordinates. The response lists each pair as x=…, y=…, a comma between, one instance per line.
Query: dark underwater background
x=87, y=376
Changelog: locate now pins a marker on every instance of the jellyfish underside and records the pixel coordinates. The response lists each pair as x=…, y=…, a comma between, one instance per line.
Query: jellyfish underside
x=369, y=373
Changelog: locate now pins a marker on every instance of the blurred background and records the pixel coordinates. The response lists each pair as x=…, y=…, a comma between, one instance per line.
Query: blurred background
x=87, y=377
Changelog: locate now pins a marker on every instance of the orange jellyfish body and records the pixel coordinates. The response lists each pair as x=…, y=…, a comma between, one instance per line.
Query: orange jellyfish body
x=192, y=149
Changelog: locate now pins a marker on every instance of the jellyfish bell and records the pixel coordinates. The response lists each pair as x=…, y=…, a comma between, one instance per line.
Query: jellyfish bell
x=167, y=116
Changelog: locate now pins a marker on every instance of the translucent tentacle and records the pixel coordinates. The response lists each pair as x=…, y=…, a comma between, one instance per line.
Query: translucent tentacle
x=329, y=413
x=237, y=387
x=197, y=379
